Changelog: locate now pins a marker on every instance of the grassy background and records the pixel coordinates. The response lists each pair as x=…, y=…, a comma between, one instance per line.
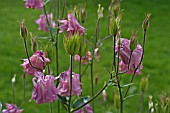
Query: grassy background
x=156, y=60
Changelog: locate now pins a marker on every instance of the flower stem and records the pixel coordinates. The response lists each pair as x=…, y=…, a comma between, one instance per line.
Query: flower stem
x=114, y=53
x=13, y=93
x=80, y=72
x=51, y=107
x=71, y=67
x=24, y=84
x=92, y=85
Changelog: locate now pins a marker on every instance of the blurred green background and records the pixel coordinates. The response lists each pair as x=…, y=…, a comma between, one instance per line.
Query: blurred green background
x=156, y=61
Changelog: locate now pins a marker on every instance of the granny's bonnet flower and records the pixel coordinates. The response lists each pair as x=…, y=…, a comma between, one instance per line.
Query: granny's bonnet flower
x=71, y=26
x=84, y=59
x=42, y=22
x=86, y=109
x=125, y=56
x=64, y=84
x=35, y=4
x=11, y=108
x=44, y=89
x=38, y=60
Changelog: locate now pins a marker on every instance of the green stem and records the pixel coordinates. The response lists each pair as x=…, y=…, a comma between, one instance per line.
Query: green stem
x=24, y=84
x=94, y=97
x=13, y=93
x=114, y=53
x=51, y=107
x=84, y=70
x=92, y=85
x=71, y=67
x=80, y=72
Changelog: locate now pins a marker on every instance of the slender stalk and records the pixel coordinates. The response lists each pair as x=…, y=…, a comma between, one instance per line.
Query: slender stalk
x=84, y=70
x=92, y=85
x=80, y=72
x=26, y=50
x=48, y=23
x=143, y=46
x=24, y=84
x=140, y=103
x=114, y=53
x=71, y=67
x=64, y=5
x=94, y=97
x=13, y=93
x=97, y=32
x=51, y=107
x=118, y=83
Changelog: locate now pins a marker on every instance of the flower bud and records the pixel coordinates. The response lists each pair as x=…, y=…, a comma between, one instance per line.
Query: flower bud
x=144, y=84
x=13, y=79
x=104, y=95
x=72, y=44
x=83, y=13
x=34, y=44
x=84, y=47
x=114, y=7
x=23, y=30
x=116, y=99
x=146, y=22
x=100, y=11
x=133, y=42
x=113, y=27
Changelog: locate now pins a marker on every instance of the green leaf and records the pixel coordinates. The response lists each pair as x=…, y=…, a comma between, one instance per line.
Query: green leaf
x=62, y=99
x=80, y=101
x=0, y=106
x=131, y=96
x=43, y=38
x=52, y=30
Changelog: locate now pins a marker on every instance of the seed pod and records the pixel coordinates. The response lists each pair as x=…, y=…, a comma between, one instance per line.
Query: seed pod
x=23, y=30
x=133, y=42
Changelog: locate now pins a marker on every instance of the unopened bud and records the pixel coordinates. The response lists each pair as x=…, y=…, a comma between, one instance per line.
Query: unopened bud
x=34, y=44
x=100, y=11
x=83, y=13
x=144, y=84
x=13, y=79
x=116, y=99
x=146, y=21
x=75, y=12
x=84, y=47
x=114, y=7
x=133, y=42
x=104, y=95
x=113, y=27
x=23, y=30
x=72, y=44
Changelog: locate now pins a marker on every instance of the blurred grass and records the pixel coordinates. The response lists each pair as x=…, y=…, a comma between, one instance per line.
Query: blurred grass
x=156, y=60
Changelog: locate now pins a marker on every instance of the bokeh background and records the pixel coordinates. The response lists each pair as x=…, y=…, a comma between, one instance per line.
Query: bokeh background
x=156, y=61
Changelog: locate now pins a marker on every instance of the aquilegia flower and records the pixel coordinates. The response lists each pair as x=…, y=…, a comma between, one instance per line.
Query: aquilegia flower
x=35, y=4
x=44, y=89
x=87, y=109
x=125, y=55
x=64, y=84
x=84, y=59
x=42, y=22
x=38, y=60
x=11, y=108
x=71, y=26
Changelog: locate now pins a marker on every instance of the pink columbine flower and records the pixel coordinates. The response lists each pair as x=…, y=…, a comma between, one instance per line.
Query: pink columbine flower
x=38, y=60
x=64, y=84
x=42, y=22
x=125, y=55
x=97, y=54
x=87, y=109
x=84, y=59
x=71, y=26
x=104, y=95
x=34, y=4
x=11, y=108
x=44, y=89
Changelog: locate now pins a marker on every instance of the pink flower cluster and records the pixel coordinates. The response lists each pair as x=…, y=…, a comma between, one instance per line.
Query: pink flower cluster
x=64, y=85
x=42, y=22
x=125, y=56
x=84, y=59
x=38, y=60
x=44, y=89
x=11, y=108
x=71, y=26
x=87, y=109
x=35, y=4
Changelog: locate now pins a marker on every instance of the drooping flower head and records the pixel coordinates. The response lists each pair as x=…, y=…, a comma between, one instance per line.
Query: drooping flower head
x=42, y=22
x=34, y=4
x=11, y=108
x=64, y=84
x=87, y=109
x=125, y=56
x=44, y=89
x=71, y=26
x=84, y=59
x=38, y=60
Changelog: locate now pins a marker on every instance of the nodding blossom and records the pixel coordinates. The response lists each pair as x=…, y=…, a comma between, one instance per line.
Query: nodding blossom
x=38, y=60
x=64, y=84
x=125, y=56
x=44, y=89
x=42, y=22
x=11, y=108
x=84, y=59
x=34, y=4
x=86, y=109
x=71, y=26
